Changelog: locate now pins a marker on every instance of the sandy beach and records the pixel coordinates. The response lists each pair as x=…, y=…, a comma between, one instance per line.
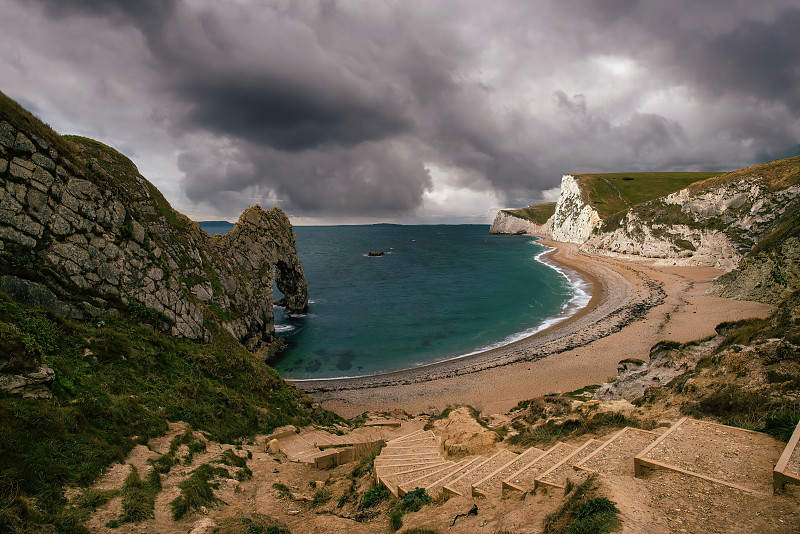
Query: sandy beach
x=634, y=304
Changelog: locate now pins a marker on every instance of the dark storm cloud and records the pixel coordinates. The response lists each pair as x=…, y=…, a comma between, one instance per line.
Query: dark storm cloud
x=287, y=116
x=143, y=13
x=335, y=107
x=756, y=59
x=362, y=179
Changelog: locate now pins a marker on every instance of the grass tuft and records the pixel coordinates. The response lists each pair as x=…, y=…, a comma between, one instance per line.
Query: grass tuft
x=139, y=496
x=196, y=491
x=584, y=511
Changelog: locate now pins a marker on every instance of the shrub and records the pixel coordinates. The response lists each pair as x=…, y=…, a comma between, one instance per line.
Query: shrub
x=374, y=496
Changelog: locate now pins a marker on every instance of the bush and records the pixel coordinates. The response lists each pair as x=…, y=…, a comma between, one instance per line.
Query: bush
x=374, y=496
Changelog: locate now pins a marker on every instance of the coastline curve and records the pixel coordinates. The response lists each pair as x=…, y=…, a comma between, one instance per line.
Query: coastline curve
x=614, y=303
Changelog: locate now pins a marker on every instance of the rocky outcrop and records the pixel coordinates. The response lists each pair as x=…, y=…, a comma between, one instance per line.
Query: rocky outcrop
x=715, y=225
x=462, y=434
x=21, y=370
x=83, y=234
x=713, y=222
x=575, y=219
x=768, y=276
x=668, y=360
x=510, y=224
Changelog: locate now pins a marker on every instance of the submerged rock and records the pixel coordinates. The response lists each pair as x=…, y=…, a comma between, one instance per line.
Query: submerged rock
x=376, y=253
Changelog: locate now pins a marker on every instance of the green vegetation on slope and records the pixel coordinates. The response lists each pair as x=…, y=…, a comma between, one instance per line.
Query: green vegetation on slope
x=117, y=384
x=612, y=193
x=537, y=213
x=584, y=511
x=788, y=226
x=25, y=121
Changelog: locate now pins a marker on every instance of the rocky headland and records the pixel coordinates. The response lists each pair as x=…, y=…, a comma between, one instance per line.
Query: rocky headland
x=84, y=235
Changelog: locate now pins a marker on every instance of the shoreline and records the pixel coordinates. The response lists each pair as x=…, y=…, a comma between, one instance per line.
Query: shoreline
x=633, y=305
x=576, y=278
x=492, y=357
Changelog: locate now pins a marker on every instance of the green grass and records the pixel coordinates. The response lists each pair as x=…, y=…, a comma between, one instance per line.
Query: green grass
x=550, y=432
x=612, y=193
x=584, y=511
x=321, y=497
x=537, y=213
x=413, y=501
x=139, y=496
x=131, y=382
x=196, y=490
x=374, y=496
x=283, y=490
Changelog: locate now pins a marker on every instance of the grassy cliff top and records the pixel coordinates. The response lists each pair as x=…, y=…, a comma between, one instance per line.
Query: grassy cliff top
x=611, y=193
x=778, y=174
x=537, y=213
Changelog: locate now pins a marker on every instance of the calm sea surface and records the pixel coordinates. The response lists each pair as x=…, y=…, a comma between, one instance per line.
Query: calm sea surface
x=439, y=292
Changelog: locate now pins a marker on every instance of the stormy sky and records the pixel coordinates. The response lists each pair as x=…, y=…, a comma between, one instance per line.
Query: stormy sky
x=402, y=110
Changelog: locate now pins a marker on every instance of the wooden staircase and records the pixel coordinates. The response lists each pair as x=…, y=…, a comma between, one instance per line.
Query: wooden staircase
x=324, y=449
x=710, y=451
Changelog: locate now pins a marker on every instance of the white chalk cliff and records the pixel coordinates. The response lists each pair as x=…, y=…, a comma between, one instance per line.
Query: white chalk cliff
x=714, y=222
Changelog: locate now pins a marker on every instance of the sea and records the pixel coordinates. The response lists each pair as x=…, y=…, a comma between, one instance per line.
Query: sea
x=438, y=293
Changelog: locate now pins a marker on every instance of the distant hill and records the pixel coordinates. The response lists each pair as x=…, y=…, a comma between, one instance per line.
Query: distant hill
x=213, y=228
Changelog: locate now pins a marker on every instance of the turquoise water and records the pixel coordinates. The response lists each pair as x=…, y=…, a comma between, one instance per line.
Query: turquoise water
x=440, y=292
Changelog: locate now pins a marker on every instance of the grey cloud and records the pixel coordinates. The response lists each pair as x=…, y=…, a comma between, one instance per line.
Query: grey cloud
x=756, y=59
x=378, y=179
x=287, y=116
x=333, y=108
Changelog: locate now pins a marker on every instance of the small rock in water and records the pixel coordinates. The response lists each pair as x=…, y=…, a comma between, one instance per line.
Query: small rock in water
x=376, y=253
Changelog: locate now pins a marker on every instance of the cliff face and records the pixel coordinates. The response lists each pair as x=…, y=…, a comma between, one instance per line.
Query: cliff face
x=713, y=223
x=508, y=223
x=575, y=219
x=83, y=234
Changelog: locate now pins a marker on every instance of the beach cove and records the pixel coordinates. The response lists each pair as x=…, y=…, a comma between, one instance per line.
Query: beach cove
x=635, y=303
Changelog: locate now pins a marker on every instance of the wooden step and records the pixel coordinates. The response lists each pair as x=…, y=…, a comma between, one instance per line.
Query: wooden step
x=405, y=451
x=558, y=475
x=425, y=481
x=615, y=456
x=436, y=487
x=463, y=484
x=404, y=466
x=392, y=481
x=492, y=485
x=525, y=479
x=418, y=434
x=726, y=455
x=393, y=423
x=787, y=470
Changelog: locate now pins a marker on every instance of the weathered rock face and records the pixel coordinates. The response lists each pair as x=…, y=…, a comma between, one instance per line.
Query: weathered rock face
x=715, y=226
x=463, y=435
x=574, y=220
x=769, y=276
x=508, y=224
x=667, y=361
x=714, y=222
x=83, y=234
x=21, y=371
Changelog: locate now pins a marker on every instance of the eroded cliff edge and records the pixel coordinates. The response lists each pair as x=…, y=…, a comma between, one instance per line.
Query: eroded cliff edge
x=83, y=234
x=716, y=221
